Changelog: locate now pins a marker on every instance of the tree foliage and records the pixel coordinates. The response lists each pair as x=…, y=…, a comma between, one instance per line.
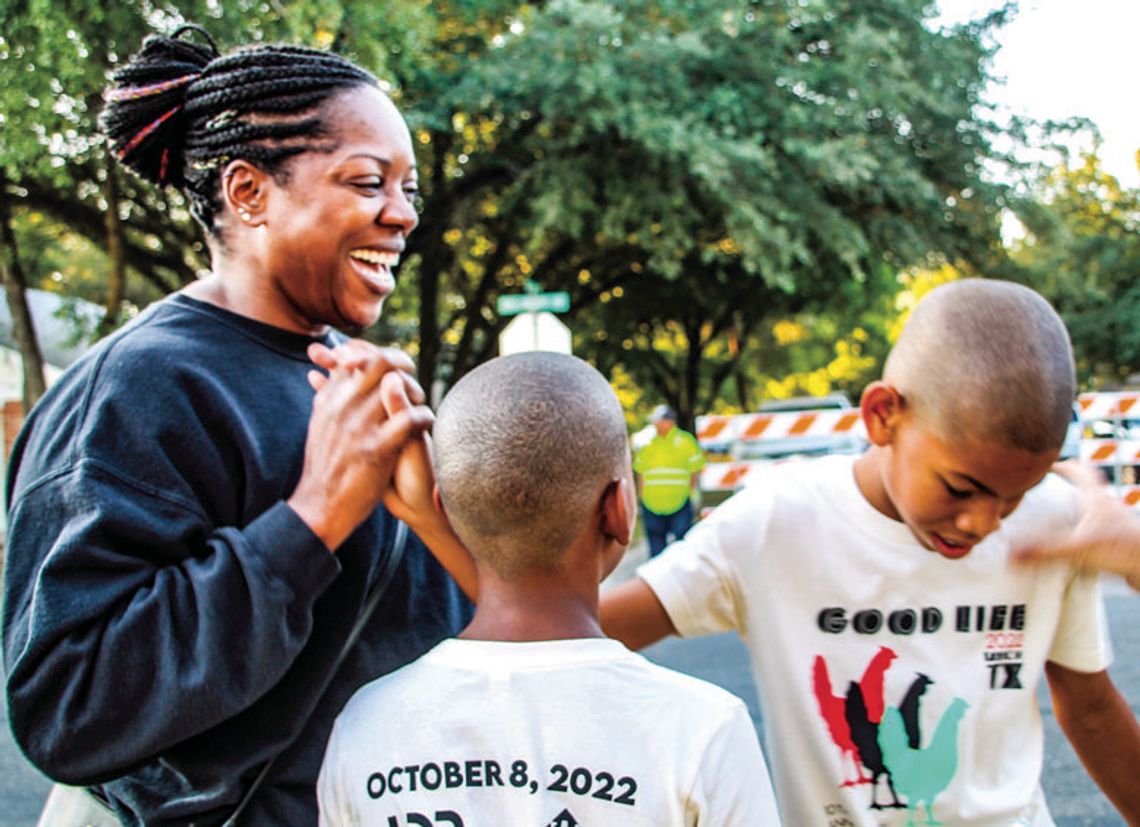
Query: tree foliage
x=1082, y=251
x=690, y=172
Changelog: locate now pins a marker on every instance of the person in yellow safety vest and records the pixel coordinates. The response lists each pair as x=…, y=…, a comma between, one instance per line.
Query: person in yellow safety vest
x=667, y=470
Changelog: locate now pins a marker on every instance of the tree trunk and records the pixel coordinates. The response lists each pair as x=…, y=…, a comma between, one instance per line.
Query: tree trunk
x=435, y=258
x=431, y=263
x=691, y=382
x=466, y=356
x=741, y=385
x=117, y=278
x=23, y=330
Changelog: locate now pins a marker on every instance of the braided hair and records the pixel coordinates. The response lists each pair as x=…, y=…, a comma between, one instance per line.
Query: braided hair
x=179, y=111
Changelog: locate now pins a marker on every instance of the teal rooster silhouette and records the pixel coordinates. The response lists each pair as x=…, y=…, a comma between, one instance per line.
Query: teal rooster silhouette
x=921, y=773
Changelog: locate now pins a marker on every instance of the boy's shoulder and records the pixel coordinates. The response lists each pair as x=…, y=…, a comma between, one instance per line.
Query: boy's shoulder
x=682, y=686
x=796, y=486
x=595, y=662
x=1050, y=506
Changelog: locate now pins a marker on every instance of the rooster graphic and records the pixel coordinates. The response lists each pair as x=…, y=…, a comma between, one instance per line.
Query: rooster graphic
x=909, y=710
x=919, y=772
x=865, y=734
x=834, y=709
x=880, y=742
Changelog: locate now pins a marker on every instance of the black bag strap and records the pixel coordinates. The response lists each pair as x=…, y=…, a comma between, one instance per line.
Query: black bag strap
x=381, y=586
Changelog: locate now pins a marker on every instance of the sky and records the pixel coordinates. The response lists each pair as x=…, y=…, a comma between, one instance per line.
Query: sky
x=1064, y=58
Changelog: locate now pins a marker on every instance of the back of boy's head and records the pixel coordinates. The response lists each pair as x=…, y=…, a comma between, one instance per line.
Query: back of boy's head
x=525, y=447
x=987, y=360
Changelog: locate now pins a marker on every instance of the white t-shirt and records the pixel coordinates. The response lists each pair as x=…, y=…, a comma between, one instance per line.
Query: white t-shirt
x=544, y=734
x=875, y=658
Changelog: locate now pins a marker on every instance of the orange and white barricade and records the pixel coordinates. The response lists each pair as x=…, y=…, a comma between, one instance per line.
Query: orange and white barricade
x=822, y=423
x=725, y=476
x=1110, y=452
x=719, y=480
x=714, y=430
x=1111, y=439
x=739, y=445
x=1109, y=405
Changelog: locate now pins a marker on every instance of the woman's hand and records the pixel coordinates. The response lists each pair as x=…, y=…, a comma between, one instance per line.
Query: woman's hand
x=366, y=413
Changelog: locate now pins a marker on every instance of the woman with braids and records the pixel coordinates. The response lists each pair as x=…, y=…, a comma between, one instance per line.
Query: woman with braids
x=198, y=520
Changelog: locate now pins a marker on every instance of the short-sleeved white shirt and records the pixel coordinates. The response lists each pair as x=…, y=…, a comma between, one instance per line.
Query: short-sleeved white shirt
x=875, y=658
x=551, y=733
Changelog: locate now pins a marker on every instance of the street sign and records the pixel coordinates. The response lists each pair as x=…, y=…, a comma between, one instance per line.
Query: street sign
x=535, y=331
x=514, y=303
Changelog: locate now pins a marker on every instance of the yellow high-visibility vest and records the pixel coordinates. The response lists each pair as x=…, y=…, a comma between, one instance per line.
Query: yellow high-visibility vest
x=666, y=466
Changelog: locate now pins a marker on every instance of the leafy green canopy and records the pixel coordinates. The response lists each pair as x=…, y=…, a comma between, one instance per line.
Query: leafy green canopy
x=688, y=171
x=1082, y=251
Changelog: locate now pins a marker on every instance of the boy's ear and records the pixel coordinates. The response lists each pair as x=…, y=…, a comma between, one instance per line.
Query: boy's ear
x=881, y=407
x=437, y=501
x=244, y=190
x=616, y=522
x=440, y=508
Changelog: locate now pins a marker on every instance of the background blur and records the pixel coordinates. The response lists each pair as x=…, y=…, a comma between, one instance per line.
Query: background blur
x=741, y=199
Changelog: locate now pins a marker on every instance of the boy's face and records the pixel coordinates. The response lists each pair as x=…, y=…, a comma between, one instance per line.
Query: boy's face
x=951, y=495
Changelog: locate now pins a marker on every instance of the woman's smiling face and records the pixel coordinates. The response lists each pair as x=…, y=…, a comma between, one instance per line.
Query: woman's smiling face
x=336, y=227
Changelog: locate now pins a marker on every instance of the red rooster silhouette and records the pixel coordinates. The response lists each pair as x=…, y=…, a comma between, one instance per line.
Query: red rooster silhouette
x=833, y=708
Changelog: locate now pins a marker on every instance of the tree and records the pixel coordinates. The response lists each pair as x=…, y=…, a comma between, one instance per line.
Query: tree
x=52, y=164
x=15, y=283
x=686, y=170
x=61, y=190
x=1082, y=251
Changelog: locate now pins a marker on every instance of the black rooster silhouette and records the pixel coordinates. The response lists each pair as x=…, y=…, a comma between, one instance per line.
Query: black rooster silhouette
x=909, y=710
x=865, y=734
x=833, y=708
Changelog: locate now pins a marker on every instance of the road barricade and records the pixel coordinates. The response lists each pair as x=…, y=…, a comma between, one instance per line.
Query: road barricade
x=737, y=445
x=1110, y=439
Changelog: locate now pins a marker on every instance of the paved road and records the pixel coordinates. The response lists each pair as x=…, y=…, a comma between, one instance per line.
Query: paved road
x=1073, y=798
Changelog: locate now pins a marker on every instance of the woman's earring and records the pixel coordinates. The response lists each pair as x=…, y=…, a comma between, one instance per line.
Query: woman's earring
x=244, y=214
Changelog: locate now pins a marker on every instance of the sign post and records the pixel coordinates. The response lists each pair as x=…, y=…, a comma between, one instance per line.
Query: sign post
x=536, y=327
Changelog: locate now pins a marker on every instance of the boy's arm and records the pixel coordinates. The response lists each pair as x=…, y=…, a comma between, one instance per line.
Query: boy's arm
x=732, y=787
x=1098, y=722
x=632, y=614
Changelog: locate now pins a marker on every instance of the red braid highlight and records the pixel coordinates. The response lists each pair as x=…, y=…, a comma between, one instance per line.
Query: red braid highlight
x=131, y=93
x=141, y=136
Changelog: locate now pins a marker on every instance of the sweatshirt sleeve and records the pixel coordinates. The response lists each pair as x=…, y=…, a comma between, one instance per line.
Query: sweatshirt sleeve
x=130, y=625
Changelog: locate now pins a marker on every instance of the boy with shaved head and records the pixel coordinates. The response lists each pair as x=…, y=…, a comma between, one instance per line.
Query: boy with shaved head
x=531, y=716
x=896, y=650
